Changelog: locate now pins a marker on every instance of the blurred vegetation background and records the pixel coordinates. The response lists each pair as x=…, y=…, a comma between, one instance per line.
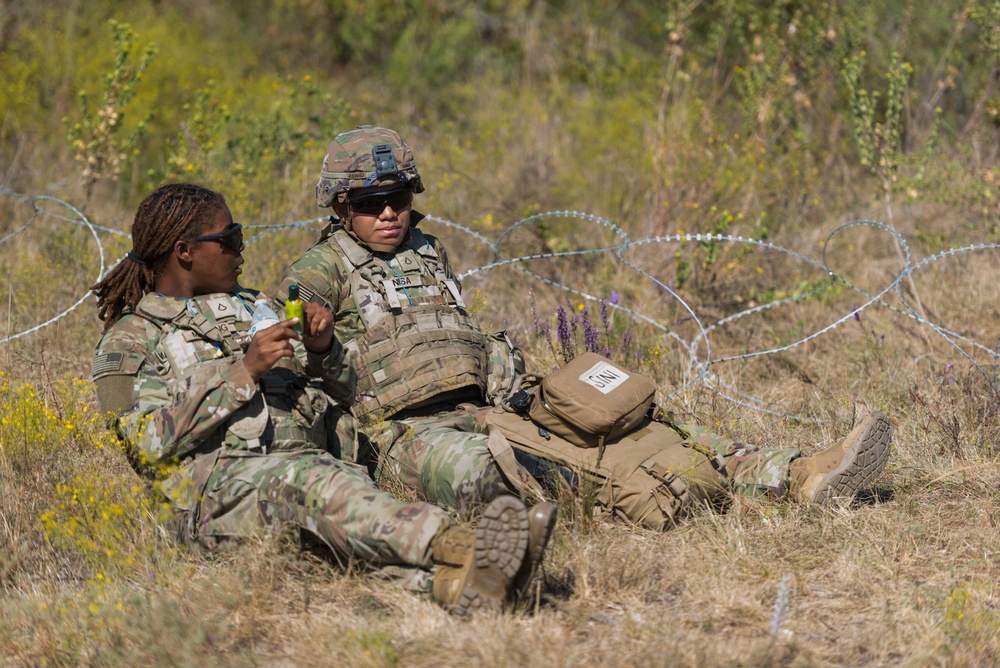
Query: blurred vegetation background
x=765, y=119
x=787, y=112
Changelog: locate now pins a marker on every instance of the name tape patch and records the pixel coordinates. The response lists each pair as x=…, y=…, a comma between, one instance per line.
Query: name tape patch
x=604, y=377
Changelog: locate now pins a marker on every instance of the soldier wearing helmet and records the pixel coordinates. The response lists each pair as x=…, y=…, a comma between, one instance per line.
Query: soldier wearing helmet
x=427, y=373
x=398, y=309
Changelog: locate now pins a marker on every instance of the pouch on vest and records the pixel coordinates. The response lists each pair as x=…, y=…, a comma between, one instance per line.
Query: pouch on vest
x=250, y=422
x=591, y=400
x=504, y=365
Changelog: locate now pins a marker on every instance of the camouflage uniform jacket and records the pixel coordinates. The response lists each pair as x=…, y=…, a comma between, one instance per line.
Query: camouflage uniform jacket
x=401, y=314
x=172, y=369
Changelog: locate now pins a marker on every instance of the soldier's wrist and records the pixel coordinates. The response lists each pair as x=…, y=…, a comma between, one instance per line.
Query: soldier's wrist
x=322, y=353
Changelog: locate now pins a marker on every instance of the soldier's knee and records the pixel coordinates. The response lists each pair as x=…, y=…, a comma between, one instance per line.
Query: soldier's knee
x=476, y=488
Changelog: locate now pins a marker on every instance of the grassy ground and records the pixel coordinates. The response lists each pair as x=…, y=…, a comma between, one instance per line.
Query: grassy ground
x=778, y=122
x=904, y=576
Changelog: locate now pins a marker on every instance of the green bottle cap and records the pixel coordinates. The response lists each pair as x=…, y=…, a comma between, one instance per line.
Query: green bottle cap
x=293, y=293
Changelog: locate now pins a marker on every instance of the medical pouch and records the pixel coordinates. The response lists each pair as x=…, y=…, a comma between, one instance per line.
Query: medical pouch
x=591, y=400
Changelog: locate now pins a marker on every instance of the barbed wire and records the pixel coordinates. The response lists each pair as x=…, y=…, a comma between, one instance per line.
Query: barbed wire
x=700, y=363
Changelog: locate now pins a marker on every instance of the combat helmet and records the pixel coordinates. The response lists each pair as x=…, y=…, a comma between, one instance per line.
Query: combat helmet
x=364, y=157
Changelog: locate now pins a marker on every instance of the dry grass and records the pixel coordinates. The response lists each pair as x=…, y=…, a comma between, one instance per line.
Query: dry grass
x=903, y=577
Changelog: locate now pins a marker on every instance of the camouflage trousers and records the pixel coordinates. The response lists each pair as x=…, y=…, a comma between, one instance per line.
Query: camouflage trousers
x=233, y=493
x=748, y=470
x=441, y=457
x=445, y=459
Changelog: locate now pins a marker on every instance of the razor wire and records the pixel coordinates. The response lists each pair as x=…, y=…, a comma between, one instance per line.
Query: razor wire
x=697, y=348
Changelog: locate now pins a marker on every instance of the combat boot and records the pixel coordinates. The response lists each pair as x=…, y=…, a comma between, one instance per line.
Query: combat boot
x=541, y=522
x=476, y=569
x=844, y=469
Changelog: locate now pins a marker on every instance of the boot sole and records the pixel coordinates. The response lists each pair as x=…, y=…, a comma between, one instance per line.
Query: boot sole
x=501, y=544
x=864, y=461
x=533, y=559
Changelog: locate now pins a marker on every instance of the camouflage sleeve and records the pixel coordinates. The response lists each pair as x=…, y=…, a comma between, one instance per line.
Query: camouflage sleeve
x=163, y=424
x=331, y=368
x=163, y=427
x=320, y=276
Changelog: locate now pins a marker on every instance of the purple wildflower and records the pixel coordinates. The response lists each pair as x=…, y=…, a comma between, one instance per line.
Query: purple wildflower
x=627, y=342
x=590, y=333
x=615, y=297
x=606, y=323
x=546, y=333
x=562, y=326
x=564, y=335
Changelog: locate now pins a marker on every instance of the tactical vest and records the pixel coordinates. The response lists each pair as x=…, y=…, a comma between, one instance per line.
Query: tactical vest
x=420, y=342
x=202, y=334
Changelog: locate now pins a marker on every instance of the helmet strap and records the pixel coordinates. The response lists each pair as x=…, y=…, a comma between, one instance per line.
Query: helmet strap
x=343, y=213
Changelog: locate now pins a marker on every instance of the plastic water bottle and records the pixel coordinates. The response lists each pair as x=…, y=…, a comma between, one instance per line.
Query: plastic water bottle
x=263, y=317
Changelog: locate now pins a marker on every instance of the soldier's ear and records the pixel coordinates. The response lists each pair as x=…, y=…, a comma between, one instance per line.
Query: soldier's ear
x=182, y=250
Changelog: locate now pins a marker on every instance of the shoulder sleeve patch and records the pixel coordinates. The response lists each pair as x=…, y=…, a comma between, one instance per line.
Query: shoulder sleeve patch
x=308, y=295
x=115, y=363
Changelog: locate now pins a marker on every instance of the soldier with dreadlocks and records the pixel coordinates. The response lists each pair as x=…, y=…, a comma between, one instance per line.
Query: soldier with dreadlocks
x=431, y=384
x=240, y=430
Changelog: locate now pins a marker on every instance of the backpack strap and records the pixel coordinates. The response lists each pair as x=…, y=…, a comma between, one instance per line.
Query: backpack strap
x=516, y=474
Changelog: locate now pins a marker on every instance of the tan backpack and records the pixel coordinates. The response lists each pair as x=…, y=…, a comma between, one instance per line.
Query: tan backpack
x=591, y=400
x=647, y=477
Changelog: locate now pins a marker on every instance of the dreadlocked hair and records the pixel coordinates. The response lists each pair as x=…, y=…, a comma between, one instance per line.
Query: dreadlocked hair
x=171, y=212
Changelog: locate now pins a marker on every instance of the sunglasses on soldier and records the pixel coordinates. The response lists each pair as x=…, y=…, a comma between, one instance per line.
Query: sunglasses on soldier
x=230, y=240
x=375, y=203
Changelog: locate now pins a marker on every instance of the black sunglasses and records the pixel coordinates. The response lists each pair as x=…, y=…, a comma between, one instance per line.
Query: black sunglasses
x=231, y=239
x=375, y=203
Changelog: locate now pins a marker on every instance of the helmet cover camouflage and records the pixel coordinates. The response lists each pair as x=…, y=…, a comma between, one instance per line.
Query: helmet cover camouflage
x=363, y=158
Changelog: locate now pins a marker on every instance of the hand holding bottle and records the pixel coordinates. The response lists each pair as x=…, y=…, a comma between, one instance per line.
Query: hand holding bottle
x=268, y=346
x=317, y=333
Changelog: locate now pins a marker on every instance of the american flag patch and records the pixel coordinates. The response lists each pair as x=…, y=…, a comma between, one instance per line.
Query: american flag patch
x=307, y=295
x=107, y=362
